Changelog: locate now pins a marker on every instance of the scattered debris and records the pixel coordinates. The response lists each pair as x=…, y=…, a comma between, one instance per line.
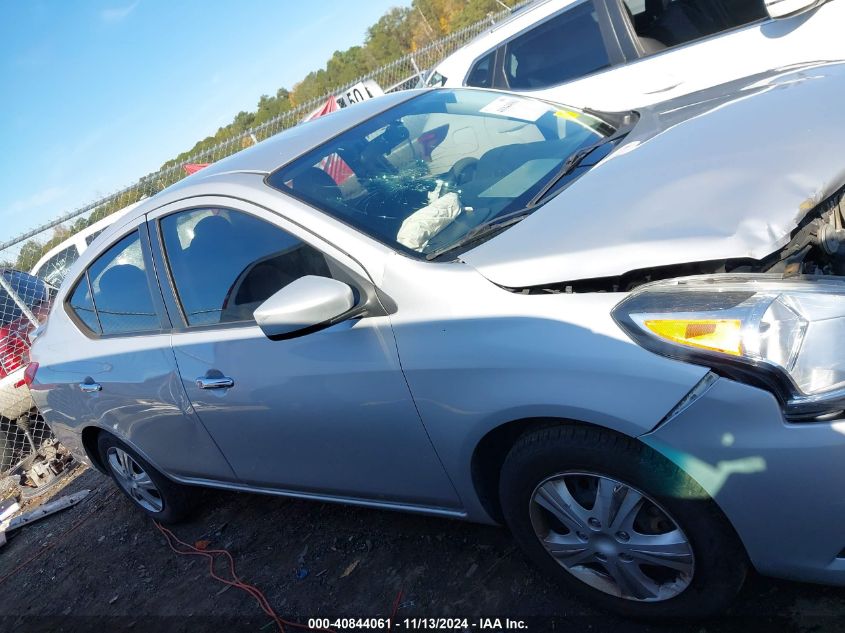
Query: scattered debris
x=301, y=558
x=350, y=568
x=224, y=590
x=40, y=512
x=7, y=508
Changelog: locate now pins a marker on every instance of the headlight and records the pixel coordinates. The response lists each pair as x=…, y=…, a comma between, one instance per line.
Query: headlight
x=786, y=336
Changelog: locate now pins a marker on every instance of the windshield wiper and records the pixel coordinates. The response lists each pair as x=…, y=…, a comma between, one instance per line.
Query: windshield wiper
x=509, y=219
x=482, y=231
x=569, y=165
x=575, y=159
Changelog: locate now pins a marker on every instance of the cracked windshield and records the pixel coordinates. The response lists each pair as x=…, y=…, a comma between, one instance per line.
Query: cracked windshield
x=427, y=173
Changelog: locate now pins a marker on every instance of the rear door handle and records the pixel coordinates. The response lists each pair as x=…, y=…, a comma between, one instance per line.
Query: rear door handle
x=218, y=382
x=90, y=387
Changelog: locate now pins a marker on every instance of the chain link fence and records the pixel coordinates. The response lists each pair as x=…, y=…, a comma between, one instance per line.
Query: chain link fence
x=24, y=304
x=49, y=250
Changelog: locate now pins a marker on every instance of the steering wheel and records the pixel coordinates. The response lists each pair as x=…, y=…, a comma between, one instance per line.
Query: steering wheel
x=461, y=173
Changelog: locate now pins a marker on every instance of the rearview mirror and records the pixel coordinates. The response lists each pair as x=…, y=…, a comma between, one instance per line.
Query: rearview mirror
x=788, y=8
x=306, y=303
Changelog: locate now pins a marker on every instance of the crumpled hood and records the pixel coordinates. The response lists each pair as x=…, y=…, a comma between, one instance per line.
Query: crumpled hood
x=724, y=173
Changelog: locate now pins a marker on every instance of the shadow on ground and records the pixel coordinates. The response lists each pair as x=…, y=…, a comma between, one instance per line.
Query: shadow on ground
x=115, y=572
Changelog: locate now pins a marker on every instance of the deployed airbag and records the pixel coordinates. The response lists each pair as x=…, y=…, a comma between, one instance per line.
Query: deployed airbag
x=419, y=227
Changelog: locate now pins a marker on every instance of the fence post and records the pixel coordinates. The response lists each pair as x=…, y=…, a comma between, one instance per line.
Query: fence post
x=417, y=70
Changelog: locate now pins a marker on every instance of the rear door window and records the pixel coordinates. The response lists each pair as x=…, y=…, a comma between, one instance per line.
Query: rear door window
x=113, y=296
x=564, y=48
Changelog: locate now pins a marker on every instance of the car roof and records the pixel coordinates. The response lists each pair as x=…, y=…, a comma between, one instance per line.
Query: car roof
x=270, y=154
x=283, y=147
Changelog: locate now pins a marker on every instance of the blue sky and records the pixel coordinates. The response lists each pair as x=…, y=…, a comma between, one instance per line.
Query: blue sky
x=97, y=94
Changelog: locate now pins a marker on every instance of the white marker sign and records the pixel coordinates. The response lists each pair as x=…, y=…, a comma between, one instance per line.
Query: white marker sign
x=361, y=91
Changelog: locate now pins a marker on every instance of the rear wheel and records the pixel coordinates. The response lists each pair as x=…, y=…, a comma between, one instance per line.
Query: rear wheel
x=619, y=524
x=148, y=489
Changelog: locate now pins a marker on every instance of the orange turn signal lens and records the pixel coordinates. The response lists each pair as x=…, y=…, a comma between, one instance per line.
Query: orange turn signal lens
x=719, y=335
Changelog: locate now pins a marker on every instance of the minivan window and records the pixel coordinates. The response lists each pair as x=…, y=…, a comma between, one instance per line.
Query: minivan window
x=676, y=22
x=481, y=75
x=225, y=263
x=54, y=269
x=566, y=47
x=118, y=299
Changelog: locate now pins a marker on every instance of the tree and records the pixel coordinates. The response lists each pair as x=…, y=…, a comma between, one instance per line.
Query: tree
x=29, y=255
x=399, y=31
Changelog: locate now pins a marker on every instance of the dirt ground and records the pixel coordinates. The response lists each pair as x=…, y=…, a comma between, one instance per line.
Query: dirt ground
x=103, y=566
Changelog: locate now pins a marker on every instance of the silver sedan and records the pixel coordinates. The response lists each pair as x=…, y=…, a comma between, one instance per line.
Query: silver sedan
x=615, y=333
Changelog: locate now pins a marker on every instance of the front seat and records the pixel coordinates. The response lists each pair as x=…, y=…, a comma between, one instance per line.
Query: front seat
x=677, y=24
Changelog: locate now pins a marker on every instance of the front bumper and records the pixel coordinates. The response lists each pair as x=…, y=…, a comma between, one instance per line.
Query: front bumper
x=781, y=485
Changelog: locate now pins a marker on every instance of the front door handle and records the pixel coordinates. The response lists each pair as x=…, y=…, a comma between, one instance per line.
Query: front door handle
x=216, y=382
x=90, y=387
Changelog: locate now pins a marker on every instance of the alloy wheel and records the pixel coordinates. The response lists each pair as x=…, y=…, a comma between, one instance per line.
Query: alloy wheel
x=134, y=480
x=611, y=536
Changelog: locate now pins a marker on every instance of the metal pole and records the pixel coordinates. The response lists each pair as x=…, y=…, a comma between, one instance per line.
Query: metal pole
x=417, y=68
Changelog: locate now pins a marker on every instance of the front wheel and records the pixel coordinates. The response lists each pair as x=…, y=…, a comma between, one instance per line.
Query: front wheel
x=619, y=524
x=148, y=489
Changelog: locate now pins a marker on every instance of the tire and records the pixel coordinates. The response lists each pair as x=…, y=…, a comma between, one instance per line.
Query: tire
x=701, y=565
x=157, y=496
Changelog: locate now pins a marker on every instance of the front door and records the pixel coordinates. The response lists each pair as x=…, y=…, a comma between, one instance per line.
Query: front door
x=328, y=412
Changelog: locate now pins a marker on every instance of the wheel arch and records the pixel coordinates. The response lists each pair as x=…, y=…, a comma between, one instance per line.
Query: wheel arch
x=492, y=449
x=90, y=436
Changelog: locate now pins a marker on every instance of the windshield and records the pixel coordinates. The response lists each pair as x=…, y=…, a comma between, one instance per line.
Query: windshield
x=422, y=175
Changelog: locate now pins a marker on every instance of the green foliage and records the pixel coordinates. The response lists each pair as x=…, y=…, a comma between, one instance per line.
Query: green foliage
x=399, y=31
x=30, y=253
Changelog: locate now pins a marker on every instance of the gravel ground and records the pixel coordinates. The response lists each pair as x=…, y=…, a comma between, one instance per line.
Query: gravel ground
x=114, y=571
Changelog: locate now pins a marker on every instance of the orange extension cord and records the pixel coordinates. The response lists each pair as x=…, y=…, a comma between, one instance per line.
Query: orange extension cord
x=236, y=581
x=190, y=550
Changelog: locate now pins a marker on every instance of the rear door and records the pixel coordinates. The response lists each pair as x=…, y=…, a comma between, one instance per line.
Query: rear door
x=107, y=361
x=325, y=413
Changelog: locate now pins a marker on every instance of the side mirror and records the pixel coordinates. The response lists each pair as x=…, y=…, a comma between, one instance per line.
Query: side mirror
x=306, y=303
x=787, y=8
